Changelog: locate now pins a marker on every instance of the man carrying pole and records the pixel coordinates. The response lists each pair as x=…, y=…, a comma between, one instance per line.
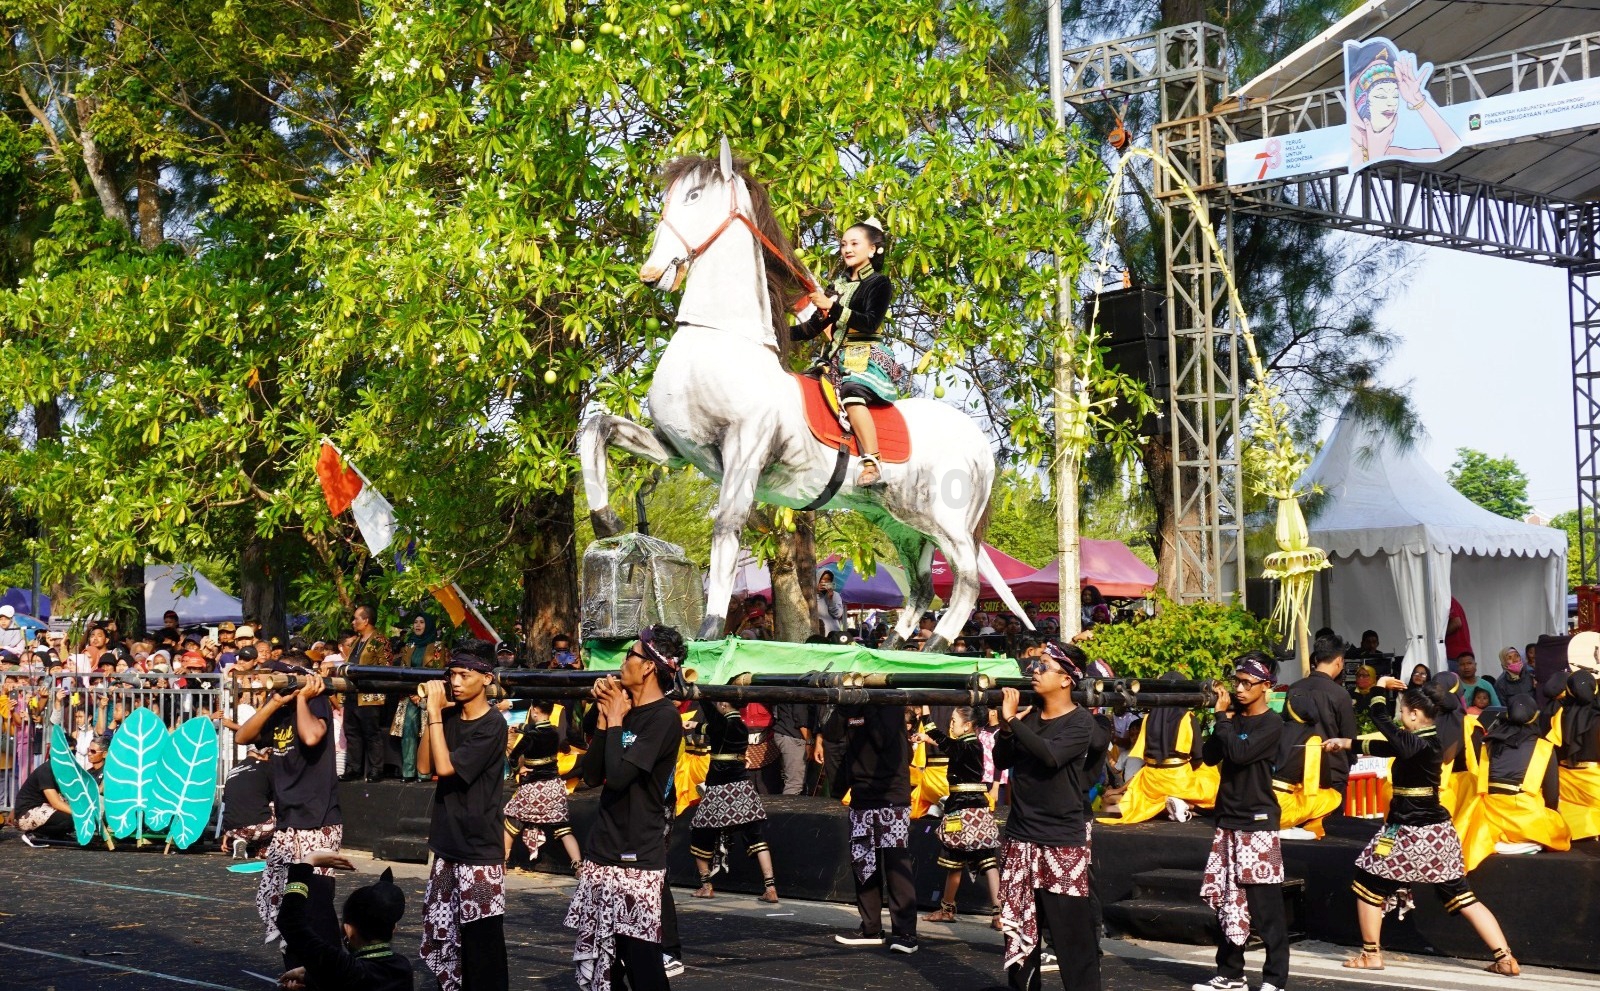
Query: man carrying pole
x=464, y=744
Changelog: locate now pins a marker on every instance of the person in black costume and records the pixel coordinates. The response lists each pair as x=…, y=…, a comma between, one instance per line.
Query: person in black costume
x=850, y=316
x=538, y=809
x=1418, y=844
x=730, y=803
x=1044, y=860
x=877, y=774
x=968, y=833
x=1244, y=872
x=365, y=961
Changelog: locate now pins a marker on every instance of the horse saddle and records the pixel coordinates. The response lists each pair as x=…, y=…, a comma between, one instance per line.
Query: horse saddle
x=822, y=415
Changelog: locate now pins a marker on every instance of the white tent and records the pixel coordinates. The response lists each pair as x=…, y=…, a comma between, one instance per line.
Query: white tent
x=1403, y=542
x=207, y=604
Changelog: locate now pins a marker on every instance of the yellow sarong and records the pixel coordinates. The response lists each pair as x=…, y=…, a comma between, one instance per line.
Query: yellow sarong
x=1520, y=817
x=1580, y=800
x=1150, y=787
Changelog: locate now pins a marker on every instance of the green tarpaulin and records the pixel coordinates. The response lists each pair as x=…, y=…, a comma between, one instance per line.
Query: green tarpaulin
x=716, y=661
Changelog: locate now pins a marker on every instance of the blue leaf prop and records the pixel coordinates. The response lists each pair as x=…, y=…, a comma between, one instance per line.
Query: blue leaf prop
x=186, y=783
x=130, y=773
x=76, y=785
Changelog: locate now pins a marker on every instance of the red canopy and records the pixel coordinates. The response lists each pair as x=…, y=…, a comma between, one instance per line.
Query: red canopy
x=1009, y=567
x=1106, y=564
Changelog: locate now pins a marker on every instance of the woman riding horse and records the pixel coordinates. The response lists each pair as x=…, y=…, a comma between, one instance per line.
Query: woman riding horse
x=862, y=369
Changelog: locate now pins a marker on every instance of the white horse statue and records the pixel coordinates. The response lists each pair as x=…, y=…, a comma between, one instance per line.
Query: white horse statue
x=722, y=401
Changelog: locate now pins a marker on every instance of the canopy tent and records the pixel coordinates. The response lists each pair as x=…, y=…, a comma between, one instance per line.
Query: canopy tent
x=1106, y=564
x=884, y=590
x=1403, y=543
x=206, y=604
x=1009, y=567
x=21, y=599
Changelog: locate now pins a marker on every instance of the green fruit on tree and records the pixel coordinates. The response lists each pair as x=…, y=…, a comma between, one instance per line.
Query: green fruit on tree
x=580, y=18
x=578, y=46
x=755, y=122
x=608, y=28
x=938, y=392
x=675, y=10
x=549, y=376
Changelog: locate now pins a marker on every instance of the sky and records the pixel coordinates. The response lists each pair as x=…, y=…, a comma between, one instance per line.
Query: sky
x=1484, y=346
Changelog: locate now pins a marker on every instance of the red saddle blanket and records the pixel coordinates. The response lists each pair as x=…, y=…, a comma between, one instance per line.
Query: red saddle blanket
x=894, y=441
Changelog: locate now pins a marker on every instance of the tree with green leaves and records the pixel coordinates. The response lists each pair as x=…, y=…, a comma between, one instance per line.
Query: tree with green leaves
x=1568, y=521
x=1496, y=484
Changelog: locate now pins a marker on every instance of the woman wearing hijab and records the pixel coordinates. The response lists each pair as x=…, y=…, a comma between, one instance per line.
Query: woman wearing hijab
x=1517, y=788
x=422, y=650
x=1577, y=738
x=1172, y=778
x=1515, y=677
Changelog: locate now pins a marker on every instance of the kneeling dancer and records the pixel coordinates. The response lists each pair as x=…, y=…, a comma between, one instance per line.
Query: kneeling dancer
x=968, y=832
x=1244, y=874
x=616, y=908
x=1418, y=844
x=730, y=803
x=1044, y=859
x=538, y=809
x=363, y=960
x=464, y=744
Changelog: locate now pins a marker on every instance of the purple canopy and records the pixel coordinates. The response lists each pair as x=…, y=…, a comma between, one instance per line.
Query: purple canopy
x=21, y=600
x=881, y=591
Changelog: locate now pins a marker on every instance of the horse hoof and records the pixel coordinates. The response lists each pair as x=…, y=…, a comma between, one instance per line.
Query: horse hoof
x=936, y=645
x=893, y=641
x=711, y=628
x=606, y=522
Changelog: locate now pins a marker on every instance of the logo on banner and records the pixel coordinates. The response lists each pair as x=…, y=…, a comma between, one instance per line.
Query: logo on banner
x=1392, y=115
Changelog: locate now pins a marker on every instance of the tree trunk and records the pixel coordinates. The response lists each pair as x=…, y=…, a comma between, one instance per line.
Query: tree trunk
x=151, y=228
x=1157, y=457
x=1174, y=12
x=131, y=617
x=261, y=587
x=94, y=161
x=794, y=571
x=547, y=539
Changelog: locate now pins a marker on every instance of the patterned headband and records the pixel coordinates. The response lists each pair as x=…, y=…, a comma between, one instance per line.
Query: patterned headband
x=647, y=638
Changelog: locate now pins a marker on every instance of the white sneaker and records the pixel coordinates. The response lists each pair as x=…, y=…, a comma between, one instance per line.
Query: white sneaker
x=28, y=839
x=1178, y=810
x=1048, y=964
x=1517, y=848
x=241, y=849
x=671, y=965
x=1269, y=987
x=1220, y=983
x=1294, y=833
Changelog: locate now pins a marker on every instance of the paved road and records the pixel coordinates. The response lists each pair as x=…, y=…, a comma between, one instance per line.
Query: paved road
x=80, y=920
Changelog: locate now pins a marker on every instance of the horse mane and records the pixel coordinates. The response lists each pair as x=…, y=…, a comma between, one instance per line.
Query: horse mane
x=783, y=286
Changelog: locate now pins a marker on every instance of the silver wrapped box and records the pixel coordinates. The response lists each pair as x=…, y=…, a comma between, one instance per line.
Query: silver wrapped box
x=633, y=580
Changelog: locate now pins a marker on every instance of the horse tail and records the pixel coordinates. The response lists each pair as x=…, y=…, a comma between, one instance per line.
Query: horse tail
x=990, y=573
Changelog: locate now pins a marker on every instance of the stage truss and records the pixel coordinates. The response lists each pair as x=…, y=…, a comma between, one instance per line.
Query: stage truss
x=1185, y=68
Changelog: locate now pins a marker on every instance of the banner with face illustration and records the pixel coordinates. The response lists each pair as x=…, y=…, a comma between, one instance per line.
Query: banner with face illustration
x=1391, y=116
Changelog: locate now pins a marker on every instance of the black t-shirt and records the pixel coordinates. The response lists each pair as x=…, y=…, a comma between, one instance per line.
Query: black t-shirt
x=635, y=762
x=31, y=795
x=1245, y=747
x=1048, y=759
x=305, y=780
x=791, y=718
x=877, y=756
x=247, y=795
x=1334, y=715
x=467, y=825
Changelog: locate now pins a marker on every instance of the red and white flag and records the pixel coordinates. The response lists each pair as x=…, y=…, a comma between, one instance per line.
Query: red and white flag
x=345, y=487
x=462, y=611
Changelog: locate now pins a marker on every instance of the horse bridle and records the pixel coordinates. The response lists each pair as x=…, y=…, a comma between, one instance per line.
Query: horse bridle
x=734, y=213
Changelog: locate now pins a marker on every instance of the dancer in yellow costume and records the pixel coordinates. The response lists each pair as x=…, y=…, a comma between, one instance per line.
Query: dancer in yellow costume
x=1516, y=788
x=930, y=777
x=1304, y=799
x=694, y=761
x=1170, y=751
x=1458, y=785
x=1576, y=735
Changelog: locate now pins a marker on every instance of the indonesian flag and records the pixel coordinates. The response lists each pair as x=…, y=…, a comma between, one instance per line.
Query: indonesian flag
x=346, y=488
x=462, y=611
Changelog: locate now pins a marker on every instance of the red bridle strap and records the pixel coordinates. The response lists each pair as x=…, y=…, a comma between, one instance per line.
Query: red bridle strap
x=734, y=213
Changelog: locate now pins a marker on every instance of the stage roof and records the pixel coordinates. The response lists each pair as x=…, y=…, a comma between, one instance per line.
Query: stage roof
x=1565, y=166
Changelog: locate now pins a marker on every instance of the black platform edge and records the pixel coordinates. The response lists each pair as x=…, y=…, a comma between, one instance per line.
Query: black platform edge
x=1548, y=904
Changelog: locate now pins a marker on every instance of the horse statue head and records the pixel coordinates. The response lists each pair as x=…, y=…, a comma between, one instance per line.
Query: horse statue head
x=715, y=213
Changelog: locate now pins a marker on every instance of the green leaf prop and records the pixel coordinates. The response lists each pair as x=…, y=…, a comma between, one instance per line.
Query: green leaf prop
x=76, y=785
x=186, y=783
x=130, y=775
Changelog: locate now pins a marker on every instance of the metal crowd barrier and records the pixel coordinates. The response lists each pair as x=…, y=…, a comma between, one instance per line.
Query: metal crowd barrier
x=86, y=706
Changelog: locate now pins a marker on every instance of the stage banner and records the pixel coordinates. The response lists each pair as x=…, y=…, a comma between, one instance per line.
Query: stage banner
x=1393, y=117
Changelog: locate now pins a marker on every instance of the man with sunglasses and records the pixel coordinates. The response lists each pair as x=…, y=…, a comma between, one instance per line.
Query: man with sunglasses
x=1044, y=860
x=1244, y=873
x=634, y=755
